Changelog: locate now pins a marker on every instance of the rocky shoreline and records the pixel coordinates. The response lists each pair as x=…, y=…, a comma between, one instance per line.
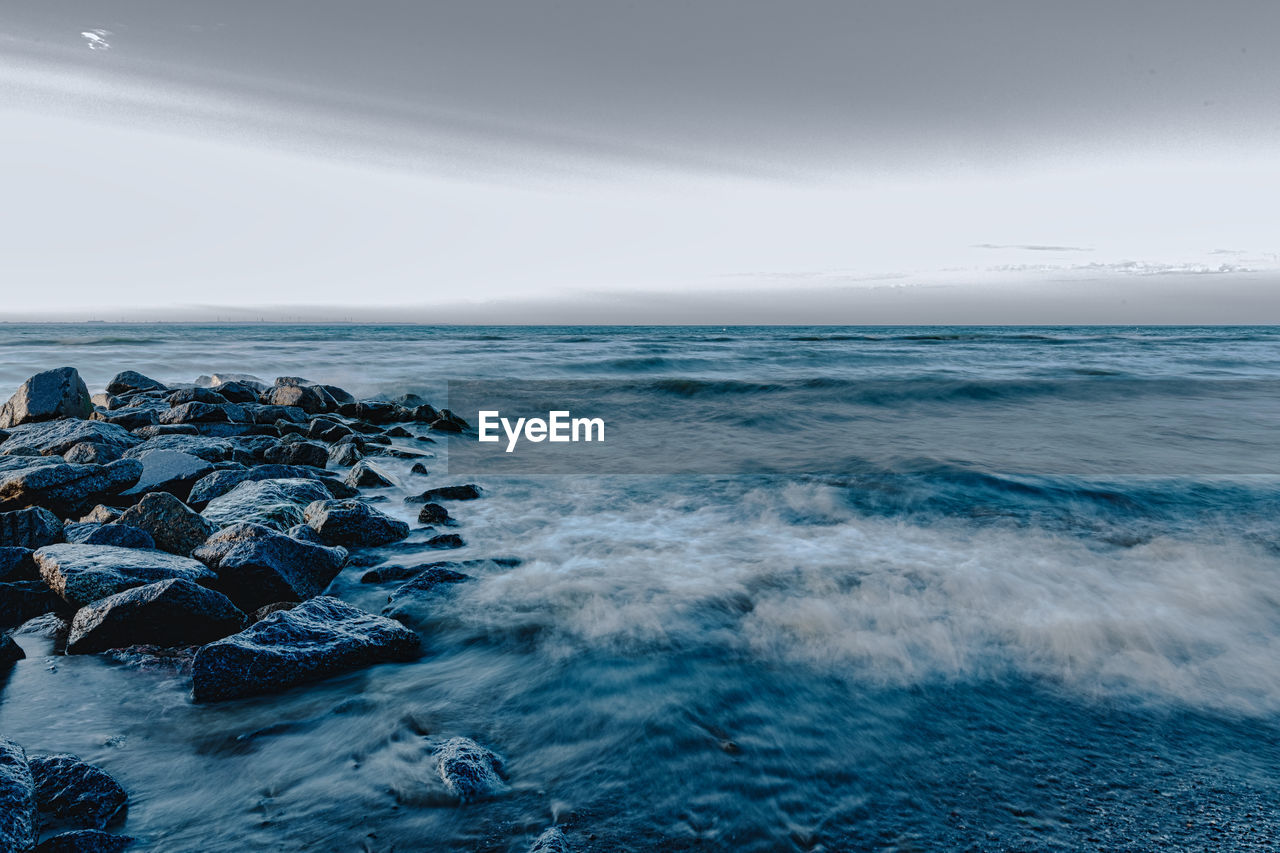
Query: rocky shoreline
x=205, y=522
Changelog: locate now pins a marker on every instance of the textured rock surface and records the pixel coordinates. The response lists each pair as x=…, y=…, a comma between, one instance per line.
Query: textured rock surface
x=121, y=535
x=468, y=492
x=318, y=638
x=426, y=581
x=16, y=564
x=58, y=393
x=131, y=381
x=174, y=526
x=57, y=437
x=218, y=483
x=82, y=574
x=10, y=653
x=257, y=565
x=23, y=600
x=352, y=523
x=279, y=504
x=91, y=453
x=66, y=489
x=210, y=449
x=366, y=475
x=175, y=612
x=17, y=799
x=74, y=792
x=169, y=471
x=434, y=514
x=469, y=770
x=550, y=841
x=30, y=528
x=298, y=453
x=84, y=841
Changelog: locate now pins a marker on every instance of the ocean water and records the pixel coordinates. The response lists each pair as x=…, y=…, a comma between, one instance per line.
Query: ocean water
x=980, y=589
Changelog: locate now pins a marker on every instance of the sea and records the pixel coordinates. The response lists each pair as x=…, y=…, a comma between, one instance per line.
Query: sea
x=820, y=589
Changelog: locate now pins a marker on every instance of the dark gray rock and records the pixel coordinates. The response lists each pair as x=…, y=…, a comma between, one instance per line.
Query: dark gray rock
x=305, y=533
x=84, y=841
x=58, y=393
x=174, y=526
x=434, y=514
x=267, y=609
x=10, y=653
x=169, y=471
x=340, y=396
x=326, y=430
x=366, y=475
x=75, y=793
x=256, y=565
x=445, y=425
x=66, y=489
x=264, y=414
x=353, y=524
x=469, y=770
x=196, y=394
x=217, y=380
x=298, y=453
x=419, y=468
x=32, y=528
x=398, y=573
x=426, y=581
x=120, y=535
x=130, y=418
x=342, y=455
x=90, y=453
x=16, y=564
x=552, y=840
x=55, y=438
x=17, y=799
x=48, y=626
x=468, y=492
x=445, y=540
x=238, y=392
x=304, y=397
x=21, y=601
x=83, y=574
x=320, y=637
x=205, y=413
x=207, y=448
x=158, y=430
x=174, y=612
x=102, y=514
x=130, y=382
x=279, y=504
x=398, y=432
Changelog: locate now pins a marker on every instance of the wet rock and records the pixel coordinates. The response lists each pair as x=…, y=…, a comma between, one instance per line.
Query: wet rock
x=279, y=504
x=469, y=770
x=157, y=430
x=217, y=380
x=84, y=841
x=102, y=514
x=419, y=468
x=185, y=396
x=75, y=793
x=32, y=528
x=175, y=612
x=327, y=430
x=169, y=471
x=445, y=540
x=340, y=396
x=130, y=418
x=445, y=425
x=298, y=453
x=16, y=564
x=551, y=840
x=89, y=453
x=434, y=514
x=10, y=653
x=207, y=448
x=256, y=565
x=238, y=392
x=174, y=526
x=21, y=601
x=219, y=483
x=131, y=382
x=366, y=475
x=120, y=535
x=267, y=609
x=342, y=455
x=426, y=581
x=17, y=799
x=205, y=413
x=58, y=393
x=468, y=492
x=307, y=398
x=55, y=438
x=47, y=626
x=398, y=432
x=83, y=574
x=353, y=523
x=320, y=637
x=305, y=533
x=397, y=573
x=278, y=415
x=66, y=489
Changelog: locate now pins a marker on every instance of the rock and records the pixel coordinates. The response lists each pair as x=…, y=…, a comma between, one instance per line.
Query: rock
x=445, y=425
x=352, y=523
x=17, y=799
x=10, y=653
x=304, y=397
x=305, y=533
x=24, y=600
x=83, y=574
x=552, y=840
x=341, y=397
x=434, y=514
x=445, y=540
x=398, y=432
x=426, y=581
x=418, y=468
x=89, y=453
x=74, y=792
x=50, y=395
x=342, y=455
x=469, y=770
x=256, y=565
x=120, y=535
x=102, y=514
x=298, y=453
x=207, y=448
x=49, y=626
x=320, y=637
x=219, y=483
x=174, y=526
x=131, y=382
x=184, y=396
x=66, y=489
x=279, y=504
x=392, y=573
x=173, y=612
x=217, y=380
x=32, y=528
x=169, y=471
x=327, y=430
x=84, y=841
x=131, y=418
x=469, y=492
x=238, y=392
x=267, y=609
x=55, y=438
x=366, y=475
x=16, y=564
x=205, y=413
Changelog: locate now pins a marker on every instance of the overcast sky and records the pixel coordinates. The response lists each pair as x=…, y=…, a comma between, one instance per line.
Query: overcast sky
x=596, y=161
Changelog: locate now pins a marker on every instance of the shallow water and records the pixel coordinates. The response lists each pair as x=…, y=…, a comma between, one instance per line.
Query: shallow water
x=941, y=640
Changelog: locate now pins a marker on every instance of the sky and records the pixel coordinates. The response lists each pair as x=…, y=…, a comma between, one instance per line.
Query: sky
x=599, y=161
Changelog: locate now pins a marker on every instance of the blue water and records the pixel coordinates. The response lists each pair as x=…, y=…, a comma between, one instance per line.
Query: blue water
x=997, y=589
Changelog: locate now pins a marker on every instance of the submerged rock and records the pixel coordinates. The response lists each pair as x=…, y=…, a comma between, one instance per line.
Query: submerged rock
x=175, y=612
x=426, y=581
x=74, y=792
x=174, y=526
x=83, y=574
x=32, y=528
x=84, y=841
x=352, y=523
x=17, y=799
x=445, y=540
x=58, y=393
x=551, y=840
x=434, y=514
x=320, y=637
x=256, y=565
x=66, y=489
x=469, y=770
x=468, y=492
x=279, y=504
x=121, y=535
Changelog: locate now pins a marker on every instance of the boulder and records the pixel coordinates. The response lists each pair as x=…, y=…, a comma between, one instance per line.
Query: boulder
x=130, y=418
x=10, y=653
x=398, y=432
x=120, y=535
x=307, y=398
x=169, y=471
x=426, y=581
x=219, y=483
x=342, y=455
x=57, y=437
x=47, y=396
x=84, y=841
x=305, y=533
x=434, y=514
x=157, y=430
x=298, y=453
x=66, y=489
x=256, y=565
x=102, y=514
x=75, y=793
x=340, y=396
x=445, y=540
x=131, y=382
x=279, y=504
x=469, y=770
x=398, y=573
x=552, y=840
x=353, y=524
x=17, y=799
x=267, y=609
x=327, y=430
x=205, y=413
x=83, y=574
x=173, y=612
x=238, y=392
x=48, y=626
x=366, y=475
x=445, y=425
x=32, y=528
x=419, y=468
x=318, y=638
x=21, y=601
x=174, y=526
x=89, y=453
x=16, y=564
x=207, y=448
x=468, y=492
x=217, y=380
